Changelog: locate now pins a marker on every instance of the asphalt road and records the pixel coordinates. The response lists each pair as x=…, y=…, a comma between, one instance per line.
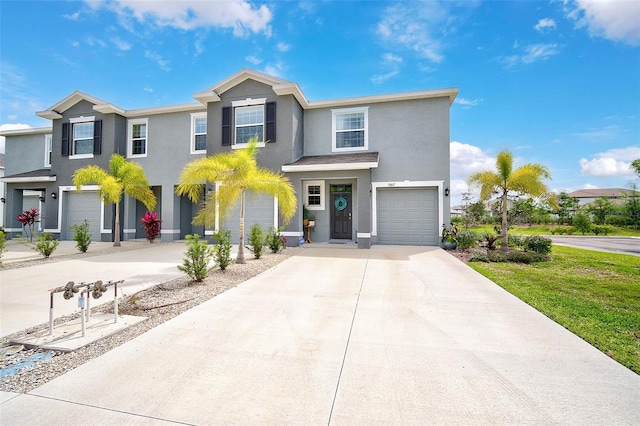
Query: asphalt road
x=611, y=244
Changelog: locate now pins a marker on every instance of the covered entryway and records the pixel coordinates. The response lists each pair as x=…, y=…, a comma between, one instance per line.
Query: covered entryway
x=341, y=212
x=407, y=216
x=81, y=206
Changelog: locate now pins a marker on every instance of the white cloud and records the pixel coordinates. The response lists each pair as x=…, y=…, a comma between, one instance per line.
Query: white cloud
x=613, y=20
x=607, y=132
x=253, y=59
x=121, y=44
x=468, y=102
x=532, y=53
x=72, y=17
x=615, y=162
x=468, y=159
x=283, y=47
x=276, y=70
x=392, y=63
x=164, y=64
x=545, y=24
x=239, y=15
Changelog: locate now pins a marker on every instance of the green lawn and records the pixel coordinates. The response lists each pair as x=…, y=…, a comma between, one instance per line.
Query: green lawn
x=544, y=230
x=594, y=294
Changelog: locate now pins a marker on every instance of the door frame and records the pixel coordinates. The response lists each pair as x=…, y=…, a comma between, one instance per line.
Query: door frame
x=332, y=210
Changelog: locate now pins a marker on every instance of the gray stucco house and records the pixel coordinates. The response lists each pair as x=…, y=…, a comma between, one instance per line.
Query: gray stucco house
x=372, y=169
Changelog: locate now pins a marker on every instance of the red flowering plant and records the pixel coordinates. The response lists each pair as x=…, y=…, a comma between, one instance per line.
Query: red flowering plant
x=28, y=219
x=151, y=225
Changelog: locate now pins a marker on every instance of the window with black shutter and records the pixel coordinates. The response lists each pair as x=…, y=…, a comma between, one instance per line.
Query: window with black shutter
x=226, y=126
x=270, y=122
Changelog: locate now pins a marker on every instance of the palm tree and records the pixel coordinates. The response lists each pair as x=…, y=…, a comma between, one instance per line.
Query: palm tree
x=122, y=177
x=525, y=180
x=234, y=173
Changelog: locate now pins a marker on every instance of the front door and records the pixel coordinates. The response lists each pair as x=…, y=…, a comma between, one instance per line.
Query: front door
x=341, y=216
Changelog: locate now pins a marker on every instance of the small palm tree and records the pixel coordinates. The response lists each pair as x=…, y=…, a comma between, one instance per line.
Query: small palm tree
x=525, y=180
x=122, y=177
x=235, y=172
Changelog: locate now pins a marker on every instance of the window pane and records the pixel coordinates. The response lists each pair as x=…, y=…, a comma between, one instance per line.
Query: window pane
x=83, y=146
x=350, y=121
x=83, y=131
x=350, y=139
x=138, y=147
x=139, y=131
x=314, y=189
x=249, y=115
x=200, y=125
x=314, y=200
x=201, y=142
x=243, y=134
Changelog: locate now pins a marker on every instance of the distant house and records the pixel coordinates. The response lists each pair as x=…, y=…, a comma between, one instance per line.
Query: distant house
x=587, y=196
x=372, y=169
x=2, y=191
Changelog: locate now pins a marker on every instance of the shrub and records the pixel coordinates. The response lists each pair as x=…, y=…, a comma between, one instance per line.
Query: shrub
x=28, y=219
x=602, y=229
x=81, y=236
x=197, y=258
x=525, y=257
x=538, y=244
x=571, y=230
x=222, y=249
x=274, y=240
x=515, y=241
x=46, y=244
x=616, y=220
x=256, y=240
x=478, y=256
x=582, y=223
x=490, y=240
x=151, y=225
x=467, y=239
x=3, y=244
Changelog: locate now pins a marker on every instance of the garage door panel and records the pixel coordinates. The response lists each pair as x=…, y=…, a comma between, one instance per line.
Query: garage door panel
x=81, y=206
x=407, y=216
x=258, y=209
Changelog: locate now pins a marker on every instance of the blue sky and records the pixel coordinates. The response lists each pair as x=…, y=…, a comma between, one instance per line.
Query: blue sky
x=556, y=83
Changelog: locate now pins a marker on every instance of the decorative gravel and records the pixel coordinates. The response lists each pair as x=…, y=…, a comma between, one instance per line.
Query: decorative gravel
x=159, y=303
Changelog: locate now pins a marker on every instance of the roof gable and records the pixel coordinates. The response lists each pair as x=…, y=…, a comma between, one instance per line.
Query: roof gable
x=56, y=110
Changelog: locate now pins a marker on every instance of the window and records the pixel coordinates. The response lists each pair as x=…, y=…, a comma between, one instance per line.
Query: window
x=350, y=129
x=48, y=145
x=246, y=119
x=137, y=142
x=81, y=137
x=199, y=133
x=249, y=123
x=314, y=194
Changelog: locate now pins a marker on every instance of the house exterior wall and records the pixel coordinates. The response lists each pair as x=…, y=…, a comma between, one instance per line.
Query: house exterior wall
x=29, y=148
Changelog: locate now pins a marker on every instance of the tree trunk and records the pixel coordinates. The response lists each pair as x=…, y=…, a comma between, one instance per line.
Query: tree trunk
x=116, y=238
x=505, y=226
x=240, y=258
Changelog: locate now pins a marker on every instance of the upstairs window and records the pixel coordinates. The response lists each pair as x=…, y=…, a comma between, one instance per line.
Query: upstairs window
x=137, y=141
x=199, y=133
x=247, y=119
x=48, y=146
x=249, y=123
x=81, y=137
x=350, y=129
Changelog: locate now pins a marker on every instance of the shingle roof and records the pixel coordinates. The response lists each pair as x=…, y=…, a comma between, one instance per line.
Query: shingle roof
x=39, y=175
x=363, y=160
x=600, y=192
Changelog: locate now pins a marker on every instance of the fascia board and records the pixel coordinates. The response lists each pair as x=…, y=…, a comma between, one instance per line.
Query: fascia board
x=29, y=131
x=29, y=179
x=450, y=93
x=330, y=167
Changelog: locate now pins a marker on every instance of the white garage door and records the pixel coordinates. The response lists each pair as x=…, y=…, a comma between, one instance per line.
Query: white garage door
x=258, y=209
x=408, y=216
x=81, y=206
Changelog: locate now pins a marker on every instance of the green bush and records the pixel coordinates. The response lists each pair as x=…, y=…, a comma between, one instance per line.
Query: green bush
x=274, y=240
x=525, y=257
x=3, y=244
x=617, y=220
x=46, y=244
x=197, y=258
x=256, y=240
x=222, y=249
x=515, y=241
x=538, y=244
x=571, y=230
x=81, y=236
x=602, y=229
x=467, y=239
x=582, y=223
x=491, y=240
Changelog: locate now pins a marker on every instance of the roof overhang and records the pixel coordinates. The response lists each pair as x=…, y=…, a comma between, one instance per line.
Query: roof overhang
x=29, y=131
x=330, y=163
x=56, y=110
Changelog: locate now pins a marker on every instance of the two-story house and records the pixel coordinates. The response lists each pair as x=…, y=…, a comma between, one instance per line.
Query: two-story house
x=372, y=169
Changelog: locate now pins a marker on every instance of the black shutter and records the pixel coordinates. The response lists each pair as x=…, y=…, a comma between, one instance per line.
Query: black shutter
x=66, y=127
x=270, y=132
x=97, y=137
x=226, y=126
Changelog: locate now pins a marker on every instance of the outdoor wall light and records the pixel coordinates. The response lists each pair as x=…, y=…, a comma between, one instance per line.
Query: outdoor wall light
x=41, y=198
x=54, y=195
x=3, y=200
x=446, y=192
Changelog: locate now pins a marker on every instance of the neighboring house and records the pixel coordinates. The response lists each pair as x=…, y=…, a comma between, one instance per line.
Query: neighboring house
x=2, y=191
x=373, y=169
x=615, y=195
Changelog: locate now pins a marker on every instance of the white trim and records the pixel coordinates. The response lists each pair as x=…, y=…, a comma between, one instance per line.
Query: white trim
x=305, y=193
x=63, y=192
x=363, y=235
x=29, y=179
x=15, y=230
x=330, y=167
x=292, y=234
x=82, y=119
x=130, y=124
x=129, y=231
x=244, y=145
x=194, y=116
x=80, y=156
x=208, y=232
x=48, y=150
x=336, y=112
x=170, y=231
x=439, y=184
x=29, y=131
x=249, y=102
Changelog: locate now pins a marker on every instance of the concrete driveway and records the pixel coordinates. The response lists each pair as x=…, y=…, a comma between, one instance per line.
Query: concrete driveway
x=391, y=335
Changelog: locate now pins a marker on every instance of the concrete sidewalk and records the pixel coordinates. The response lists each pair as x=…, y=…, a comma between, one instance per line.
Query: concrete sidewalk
x=402, y=335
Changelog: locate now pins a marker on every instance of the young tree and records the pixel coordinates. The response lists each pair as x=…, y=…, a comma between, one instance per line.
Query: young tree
x=567, y=207
x=236, y=172
x=600, y=209
x=632, y=206
x=635, y=165
x=123, y=177
x=525, y=180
